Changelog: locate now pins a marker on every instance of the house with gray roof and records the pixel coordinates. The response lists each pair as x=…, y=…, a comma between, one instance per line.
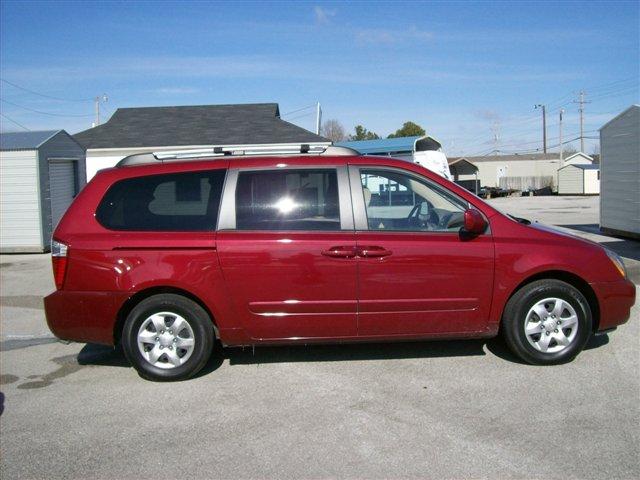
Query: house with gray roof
x=157, y=129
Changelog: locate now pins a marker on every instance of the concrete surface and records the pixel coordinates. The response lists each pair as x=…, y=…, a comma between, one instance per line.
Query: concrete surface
x=461, y=409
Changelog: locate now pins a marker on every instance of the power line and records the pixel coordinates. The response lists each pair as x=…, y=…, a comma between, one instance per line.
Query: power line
x=538, y=141
x=45, y=95
x=298, y=110
x=45, y=113
x=300, y=116
x=614, y=94
x=486, y=152
x=611, y=84
x=13, y=121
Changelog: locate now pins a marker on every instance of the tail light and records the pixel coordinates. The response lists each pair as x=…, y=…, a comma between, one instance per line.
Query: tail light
x=59, y=262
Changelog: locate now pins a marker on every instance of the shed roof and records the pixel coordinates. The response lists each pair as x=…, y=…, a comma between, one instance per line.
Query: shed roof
x=381, y=145
x=197, y=125
x=582, y=166
x=579, y=154
x=462, y=166
x=25, y=140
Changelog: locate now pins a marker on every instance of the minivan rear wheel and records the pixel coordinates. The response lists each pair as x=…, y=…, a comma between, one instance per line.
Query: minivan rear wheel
x=168, y=337
x=547, y=322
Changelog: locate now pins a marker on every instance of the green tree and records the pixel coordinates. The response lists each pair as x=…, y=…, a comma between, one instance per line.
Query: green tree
x=363, y=134
x=409, y=129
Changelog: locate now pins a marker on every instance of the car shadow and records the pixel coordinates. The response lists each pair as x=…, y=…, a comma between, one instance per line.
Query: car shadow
x=100, y=355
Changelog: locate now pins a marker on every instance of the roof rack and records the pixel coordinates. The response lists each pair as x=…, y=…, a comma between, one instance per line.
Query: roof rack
x=235, y=151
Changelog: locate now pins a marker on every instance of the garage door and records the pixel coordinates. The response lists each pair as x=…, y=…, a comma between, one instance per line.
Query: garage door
x=62, y=186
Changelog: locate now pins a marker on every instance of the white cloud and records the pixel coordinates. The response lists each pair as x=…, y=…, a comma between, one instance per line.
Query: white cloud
x=384, y=36
x=323, y=15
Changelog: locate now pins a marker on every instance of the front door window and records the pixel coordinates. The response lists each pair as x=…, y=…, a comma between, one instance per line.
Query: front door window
x=400, y=202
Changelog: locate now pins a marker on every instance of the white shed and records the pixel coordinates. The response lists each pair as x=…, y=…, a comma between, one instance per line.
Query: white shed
x=620, y=174
x=40, y=174
x=579, y=179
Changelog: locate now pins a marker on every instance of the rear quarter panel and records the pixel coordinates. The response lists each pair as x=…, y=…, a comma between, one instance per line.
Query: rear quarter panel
x=114, y=265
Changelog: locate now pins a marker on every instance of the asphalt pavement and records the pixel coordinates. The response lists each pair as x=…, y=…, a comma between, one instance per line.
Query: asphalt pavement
x=458, y=409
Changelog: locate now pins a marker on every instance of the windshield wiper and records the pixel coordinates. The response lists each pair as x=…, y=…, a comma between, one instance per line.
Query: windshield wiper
x=524, y=221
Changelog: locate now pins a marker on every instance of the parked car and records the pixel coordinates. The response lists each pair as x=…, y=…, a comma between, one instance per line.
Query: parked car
x=168, y=255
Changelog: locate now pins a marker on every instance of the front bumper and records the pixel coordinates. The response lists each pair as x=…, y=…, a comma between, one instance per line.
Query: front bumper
x=83, y=316
x=615, y=300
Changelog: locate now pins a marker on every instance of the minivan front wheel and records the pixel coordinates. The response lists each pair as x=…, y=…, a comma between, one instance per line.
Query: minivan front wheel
x=547, y=322
x=168, y=337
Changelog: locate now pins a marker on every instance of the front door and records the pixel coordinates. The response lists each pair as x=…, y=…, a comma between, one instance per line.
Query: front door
x=286, y=245
x=417, y=274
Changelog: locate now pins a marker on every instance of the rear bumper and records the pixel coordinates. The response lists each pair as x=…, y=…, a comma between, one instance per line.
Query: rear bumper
x=83, y=316
x=615, y=300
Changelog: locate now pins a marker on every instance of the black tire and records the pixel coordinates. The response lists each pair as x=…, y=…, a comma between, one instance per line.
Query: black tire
x=514, y=320
x=197, y=318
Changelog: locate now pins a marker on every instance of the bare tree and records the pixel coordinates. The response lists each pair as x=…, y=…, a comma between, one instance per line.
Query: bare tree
x=569, y=150
x=333, y=130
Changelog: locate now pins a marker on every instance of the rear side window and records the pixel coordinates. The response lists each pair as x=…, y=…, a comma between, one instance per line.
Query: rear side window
x=288, y=200
x=169, y=202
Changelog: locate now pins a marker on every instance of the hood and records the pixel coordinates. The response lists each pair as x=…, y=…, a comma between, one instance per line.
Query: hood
x=542, y=227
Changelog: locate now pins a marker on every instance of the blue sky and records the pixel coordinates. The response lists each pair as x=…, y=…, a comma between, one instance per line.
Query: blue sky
x=462, y=70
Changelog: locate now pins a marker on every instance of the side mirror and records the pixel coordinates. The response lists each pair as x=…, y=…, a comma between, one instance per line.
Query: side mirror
x=474, y=222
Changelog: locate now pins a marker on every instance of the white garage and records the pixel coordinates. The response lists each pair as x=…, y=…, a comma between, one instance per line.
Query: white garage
x=40, y=174
x=579, y=179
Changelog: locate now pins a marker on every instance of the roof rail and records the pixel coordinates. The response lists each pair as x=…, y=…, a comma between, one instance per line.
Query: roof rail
x=234, y=151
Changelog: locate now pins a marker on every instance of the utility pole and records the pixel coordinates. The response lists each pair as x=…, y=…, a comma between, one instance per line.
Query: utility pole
x=96, y=101
x=495, y=129
x=581, y=102
x=561, y=149
x=318, y=118
x=544, y=126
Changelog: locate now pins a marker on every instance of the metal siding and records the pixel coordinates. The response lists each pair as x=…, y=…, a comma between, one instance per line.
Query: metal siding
x=60, y=146
x=620, y=173
x=591, y=182
x=97, y=162
x=570, y=181
x=20, y=228
x=488, y=170
x=62, y=187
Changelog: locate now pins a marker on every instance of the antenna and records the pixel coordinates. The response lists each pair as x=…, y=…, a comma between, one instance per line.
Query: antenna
x=100, y=98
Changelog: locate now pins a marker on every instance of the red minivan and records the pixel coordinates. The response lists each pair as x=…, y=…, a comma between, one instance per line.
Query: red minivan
x=168, y=253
